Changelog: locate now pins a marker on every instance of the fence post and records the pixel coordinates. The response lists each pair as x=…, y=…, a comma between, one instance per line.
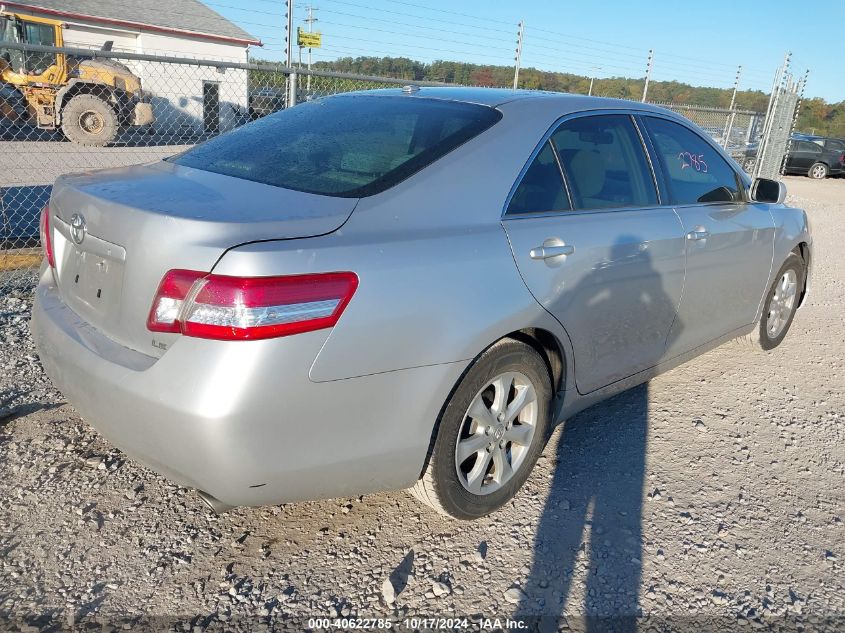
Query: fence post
x=730, y=122
x=292, y=85
x=647, y=74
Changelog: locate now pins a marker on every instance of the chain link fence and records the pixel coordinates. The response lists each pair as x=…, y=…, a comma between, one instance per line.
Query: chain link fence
x=142, y=108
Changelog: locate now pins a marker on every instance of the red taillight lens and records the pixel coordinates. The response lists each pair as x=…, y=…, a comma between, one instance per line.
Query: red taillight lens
x=46, y=238
x=842, y=159
x=246, y=308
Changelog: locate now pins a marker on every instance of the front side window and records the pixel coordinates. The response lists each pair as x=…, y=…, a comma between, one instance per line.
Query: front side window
x=43, y=35
x=345, y=146
x=696, y=172
x=541, y=188
x=604, y=162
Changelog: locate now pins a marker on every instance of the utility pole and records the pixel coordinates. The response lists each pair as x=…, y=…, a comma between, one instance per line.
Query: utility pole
x=592, y=77
x=730, y=122
x=518, y=57
x=310, y=21
x=648, y=73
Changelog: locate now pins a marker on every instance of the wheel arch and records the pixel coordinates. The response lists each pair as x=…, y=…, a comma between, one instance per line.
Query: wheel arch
x=544, y=342
x=803, y=251
x=76, y=87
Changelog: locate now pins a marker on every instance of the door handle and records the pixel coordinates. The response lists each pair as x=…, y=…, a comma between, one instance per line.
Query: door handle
x=547, y=252
x=698, y=233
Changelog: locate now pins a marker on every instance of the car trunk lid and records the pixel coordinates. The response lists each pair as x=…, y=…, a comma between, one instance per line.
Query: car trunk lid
x=116, y=233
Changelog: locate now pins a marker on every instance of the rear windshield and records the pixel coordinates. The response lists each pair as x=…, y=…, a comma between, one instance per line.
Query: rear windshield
x=347, y=146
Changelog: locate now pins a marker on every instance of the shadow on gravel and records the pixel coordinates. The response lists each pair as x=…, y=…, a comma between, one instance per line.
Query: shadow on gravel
x=592, y=518
x=13, y=413
x=591, y=526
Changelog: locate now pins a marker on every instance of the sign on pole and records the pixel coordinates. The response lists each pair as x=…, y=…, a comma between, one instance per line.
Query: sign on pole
x=304, y=39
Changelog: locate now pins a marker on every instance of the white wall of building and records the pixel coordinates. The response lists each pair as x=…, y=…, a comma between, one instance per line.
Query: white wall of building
x=179, y=94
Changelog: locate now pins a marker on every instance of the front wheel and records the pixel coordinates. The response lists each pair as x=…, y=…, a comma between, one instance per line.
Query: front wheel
x=818, y=171
x=780, y=306
x=490, y=434
x=88, y=120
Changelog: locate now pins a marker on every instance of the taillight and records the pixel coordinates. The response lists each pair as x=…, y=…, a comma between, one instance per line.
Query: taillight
x=247, y=308
x=164, y=315
x=842, y=159
x=46, y=239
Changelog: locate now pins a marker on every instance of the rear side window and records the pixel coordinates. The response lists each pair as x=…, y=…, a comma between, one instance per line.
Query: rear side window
x=836, y=146
x=541, y=188
x=348, y=146
x=696, y=172
x=604, y=162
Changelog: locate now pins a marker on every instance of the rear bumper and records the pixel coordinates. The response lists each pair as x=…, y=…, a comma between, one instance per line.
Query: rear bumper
x=242, y=420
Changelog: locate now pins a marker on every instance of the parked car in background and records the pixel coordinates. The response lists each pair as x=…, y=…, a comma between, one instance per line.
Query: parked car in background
x=402, y=288
x=806, y=157
x=814, y=159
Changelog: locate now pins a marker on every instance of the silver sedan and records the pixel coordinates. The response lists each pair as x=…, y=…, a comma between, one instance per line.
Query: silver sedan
x=402, y=288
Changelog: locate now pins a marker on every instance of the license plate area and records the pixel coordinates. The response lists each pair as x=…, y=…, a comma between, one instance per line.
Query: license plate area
x=90, y=273
x=93, y=279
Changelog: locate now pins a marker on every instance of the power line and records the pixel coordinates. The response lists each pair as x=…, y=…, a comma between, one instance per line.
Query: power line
x=451, y=23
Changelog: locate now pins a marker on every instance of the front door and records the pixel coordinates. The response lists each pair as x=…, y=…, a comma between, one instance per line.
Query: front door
x=728, y=241
x=600, y=254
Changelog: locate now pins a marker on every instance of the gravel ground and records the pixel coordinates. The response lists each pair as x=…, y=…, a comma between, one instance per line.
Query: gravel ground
x=711, y=498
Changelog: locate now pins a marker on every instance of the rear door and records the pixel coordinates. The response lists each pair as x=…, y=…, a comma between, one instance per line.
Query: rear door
x=729, y=240
x=596, y=249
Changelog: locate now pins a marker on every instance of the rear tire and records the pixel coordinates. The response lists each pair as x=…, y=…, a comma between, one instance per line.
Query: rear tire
x=88, y=120
x=490, y=433
x=818, y=171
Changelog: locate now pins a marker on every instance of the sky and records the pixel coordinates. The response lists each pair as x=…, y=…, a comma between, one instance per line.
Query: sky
x=701, y=43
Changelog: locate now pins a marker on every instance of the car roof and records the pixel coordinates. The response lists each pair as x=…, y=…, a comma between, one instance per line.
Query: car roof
x=495, y=97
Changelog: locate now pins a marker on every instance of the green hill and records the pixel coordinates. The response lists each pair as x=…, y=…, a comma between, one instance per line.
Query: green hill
x=816, y=116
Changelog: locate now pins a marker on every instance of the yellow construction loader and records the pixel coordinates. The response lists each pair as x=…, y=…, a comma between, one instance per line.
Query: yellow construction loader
x=90, y=99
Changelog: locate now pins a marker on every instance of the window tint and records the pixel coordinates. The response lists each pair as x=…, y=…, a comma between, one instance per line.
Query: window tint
x=836, y=146
x=695, y=170
x=541, y=188
x=604, y=162
x=807, y=146
x=346, y=146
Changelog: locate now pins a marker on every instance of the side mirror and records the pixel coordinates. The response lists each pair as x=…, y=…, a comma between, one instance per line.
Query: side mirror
x=766, y=190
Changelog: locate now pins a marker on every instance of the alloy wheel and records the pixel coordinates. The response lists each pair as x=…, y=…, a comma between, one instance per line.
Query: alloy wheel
x=496, y=433
x=781, y=304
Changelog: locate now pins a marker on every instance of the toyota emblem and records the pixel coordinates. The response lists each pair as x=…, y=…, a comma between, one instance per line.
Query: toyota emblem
x=77, y=228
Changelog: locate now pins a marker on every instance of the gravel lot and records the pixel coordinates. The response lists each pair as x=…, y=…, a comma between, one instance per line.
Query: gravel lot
x=711, y=498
